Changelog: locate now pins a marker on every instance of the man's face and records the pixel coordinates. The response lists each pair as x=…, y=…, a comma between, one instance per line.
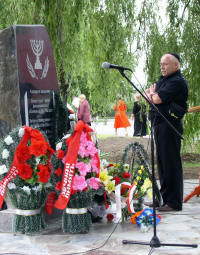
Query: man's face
x=168, y=65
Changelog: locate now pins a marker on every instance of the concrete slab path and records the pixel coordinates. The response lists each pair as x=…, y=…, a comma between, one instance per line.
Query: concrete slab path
x=182, y=227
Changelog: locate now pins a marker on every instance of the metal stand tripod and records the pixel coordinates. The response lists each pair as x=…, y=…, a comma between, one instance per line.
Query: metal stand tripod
x=155, y=242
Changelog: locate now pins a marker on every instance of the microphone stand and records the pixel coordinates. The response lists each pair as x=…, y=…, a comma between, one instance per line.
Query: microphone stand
x=155, y=242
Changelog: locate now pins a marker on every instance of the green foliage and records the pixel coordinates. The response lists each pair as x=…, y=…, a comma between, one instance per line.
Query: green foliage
x=61, y=123
x=85, y=33
x=24, y=201
x=78, y=223
x=180, y=33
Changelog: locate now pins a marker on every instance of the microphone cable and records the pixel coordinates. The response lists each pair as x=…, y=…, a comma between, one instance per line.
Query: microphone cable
x=99, y=247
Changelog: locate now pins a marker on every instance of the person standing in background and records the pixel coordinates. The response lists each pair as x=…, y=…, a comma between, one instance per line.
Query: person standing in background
x=84, y=110
x=140, y=118
x=121, y=119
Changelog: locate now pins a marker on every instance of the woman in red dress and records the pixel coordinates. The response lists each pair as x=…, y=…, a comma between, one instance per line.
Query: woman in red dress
x=121, y=119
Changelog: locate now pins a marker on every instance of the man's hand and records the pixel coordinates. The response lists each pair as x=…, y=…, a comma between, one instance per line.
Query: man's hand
x=153, y=88
x=147, y=91
x=152, y=95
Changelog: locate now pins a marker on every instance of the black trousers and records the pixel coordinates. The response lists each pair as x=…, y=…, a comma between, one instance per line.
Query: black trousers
x=168, y=146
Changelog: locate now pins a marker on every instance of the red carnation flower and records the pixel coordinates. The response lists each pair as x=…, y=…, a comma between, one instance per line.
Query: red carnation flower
x=58, y=171
x=117, y=180
x=60, y=154
x=23, y=154
x=110, y=217
x=58, y=186
x=38, y=148
x=36, y=135
x=43, y=173
x=25, y=171
x=123, y=191
x=126, y=175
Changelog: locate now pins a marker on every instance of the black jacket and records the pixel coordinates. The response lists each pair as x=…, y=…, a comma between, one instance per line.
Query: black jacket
x=173, y=90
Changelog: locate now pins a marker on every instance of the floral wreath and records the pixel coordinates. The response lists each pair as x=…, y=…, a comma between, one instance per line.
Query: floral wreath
x=142, y=176
x=25, y=159
x=76, y=165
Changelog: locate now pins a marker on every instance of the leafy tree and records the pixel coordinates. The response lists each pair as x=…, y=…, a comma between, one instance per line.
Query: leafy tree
x=181, y=35
x=85, y=33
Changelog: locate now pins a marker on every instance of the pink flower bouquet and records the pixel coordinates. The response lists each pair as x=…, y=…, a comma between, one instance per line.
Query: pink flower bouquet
x=76, y=187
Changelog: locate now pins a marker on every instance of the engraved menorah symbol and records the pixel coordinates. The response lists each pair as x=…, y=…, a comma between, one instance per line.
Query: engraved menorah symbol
x=37, y=48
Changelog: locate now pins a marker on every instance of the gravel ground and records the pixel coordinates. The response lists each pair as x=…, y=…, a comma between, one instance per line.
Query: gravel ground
x=115, y=145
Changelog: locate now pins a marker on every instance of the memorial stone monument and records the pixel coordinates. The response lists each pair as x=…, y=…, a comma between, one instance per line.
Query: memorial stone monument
x=28, y=79
x=28, y=82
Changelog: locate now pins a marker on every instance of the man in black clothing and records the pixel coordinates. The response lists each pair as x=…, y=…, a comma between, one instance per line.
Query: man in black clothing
x=140, y=118
x=170, y=95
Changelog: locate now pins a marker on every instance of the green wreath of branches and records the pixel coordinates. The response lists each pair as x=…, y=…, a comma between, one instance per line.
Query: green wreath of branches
x=143, y=159
x=60, y=119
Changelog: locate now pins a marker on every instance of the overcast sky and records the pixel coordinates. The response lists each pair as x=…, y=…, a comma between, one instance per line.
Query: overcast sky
x=139, y=73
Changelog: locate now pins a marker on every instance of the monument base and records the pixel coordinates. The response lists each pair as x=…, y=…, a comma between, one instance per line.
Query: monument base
x=6, y=220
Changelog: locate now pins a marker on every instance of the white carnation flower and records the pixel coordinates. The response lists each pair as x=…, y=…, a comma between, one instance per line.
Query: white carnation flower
x=37, y=188
x=21, y=132
x=8, y=140
x=47, y=185
x=27, y=190
x=11, y=185
x=37, y=160
x=3, y=169
x=5, y=154
x=104, y=163
x=126, y=167
x=58, y=146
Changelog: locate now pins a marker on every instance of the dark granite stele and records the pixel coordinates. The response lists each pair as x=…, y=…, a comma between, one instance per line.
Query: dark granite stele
x=28, y=78
x=28, y=82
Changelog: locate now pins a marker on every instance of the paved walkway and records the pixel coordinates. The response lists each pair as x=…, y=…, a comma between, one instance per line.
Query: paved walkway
x=178, y=227
x=107, y=128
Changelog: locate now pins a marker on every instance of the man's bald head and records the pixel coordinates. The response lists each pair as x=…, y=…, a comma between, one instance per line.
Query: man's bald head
x=169, y=64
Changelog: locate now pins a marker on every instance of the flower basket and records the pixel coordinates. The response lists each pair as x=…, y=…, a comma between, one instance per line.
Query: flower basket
x=29, y=217
x=25, y=170
x=76, y=218
x=145, y=219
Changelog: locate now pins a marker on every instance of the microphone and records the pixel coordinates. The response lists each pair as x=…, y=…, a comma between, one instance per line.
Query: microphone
x=107, y=65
